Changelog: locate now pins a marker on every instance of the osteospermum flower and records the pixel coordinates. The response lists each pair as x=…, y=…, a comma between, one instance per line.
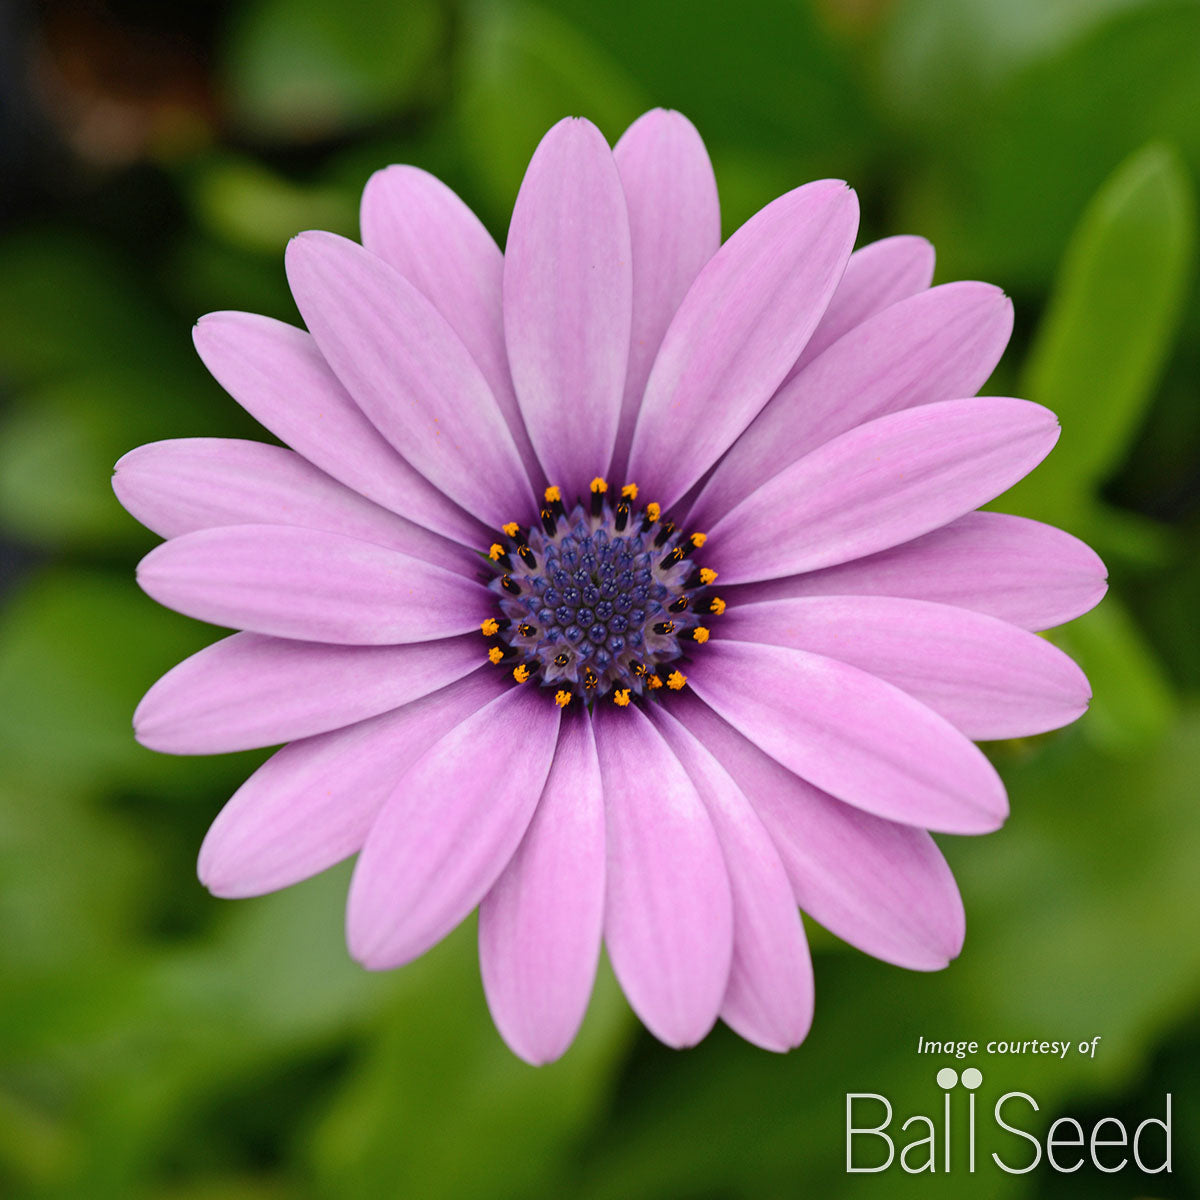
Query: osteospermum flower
x=627, y=586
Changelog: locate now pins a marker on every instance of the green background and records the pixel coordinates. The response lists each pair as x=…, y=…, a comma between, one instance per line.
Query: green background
x=155, y=1042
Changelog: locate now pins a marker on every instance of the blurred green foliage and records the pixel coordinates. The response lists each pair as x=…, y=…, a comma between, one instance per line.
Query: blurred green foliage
x=157, y=1043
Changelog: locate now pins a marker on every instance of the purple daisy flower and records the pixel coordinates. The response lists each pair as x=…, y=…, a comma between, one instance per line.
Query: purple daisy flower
x=628, y=586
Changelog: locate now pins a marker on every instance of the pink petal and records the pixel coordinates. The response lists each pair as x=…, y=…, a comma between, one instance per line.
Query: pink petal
x=881, y=484
x=180, y=486
x=249, y=690
x=987, y=678
x=409, y=372
x=675, y=228
x=769, y=998
x=941, y=344
x=540, y=925
x=877, y=275
x=418, y=225
x=318, y=587
x=453, y=821
x=852, y=735
x=568, y=301
x=311, y=804
x=1018, y=570
x=881, y=886
x=276, y=373
x=669, y=912
x=737, y=333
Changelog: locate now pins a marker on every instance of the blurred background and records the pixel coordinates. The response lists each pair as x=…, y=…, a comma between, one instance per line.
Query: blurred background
x=154, y=159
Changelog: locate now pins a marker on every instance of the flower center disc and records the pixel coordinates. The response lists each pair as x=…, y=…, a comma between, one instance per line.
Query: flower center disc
x=601, y=599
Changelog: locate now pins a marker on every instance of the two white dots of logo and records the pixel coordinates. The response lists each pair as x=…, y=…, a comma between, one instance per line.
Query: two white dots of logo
x=947, y=1078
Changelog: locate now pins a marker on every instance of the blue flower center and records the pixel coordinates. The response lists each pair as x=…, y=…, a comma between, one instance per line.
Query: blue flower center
x=601, y=601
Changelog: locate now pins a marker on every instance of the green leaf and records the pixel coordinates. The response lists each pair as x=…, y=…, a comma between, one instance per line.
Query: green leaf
x=145, y=1036
x=79, y=912
x=937, y=58
x=440, y=1107
x=300, y=70
x=1081, y=920
x=1091, y=877
x=77, y=650
x=1116, y=533
x=1109, y=327
x=526, y=68
x=210, y=274
x=69, y=305
x=765, y=76
x=1027, y=160
x=1132, y=701
x=255, y=209
x=58, y=445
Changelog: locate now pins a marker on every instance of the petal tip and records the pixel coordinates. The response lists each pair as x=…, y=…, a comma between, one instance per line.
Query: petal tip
x=370, y=944
x=536, y=1047
x=154, y=730
x=363, y=948
x=142, y=725
x=209, y=330
x=309, y=244
x=942, y=944
x=148, y=570
x=573, y=126
x=680, y=1031
x=221, y=877
x=206, y=321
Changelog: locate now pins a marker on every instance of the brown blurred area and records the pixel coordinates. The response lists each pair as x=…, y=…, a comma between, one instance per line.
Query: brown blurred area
x=91, y=86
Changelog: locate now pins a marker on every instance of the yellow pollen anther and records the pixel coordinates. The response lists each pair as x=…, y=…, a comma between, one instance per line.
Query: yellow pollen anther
x=511, y=529
x=629, y=491
x=676, y=680
x=698, y=539
x=653, y=682
x=495, y=551
x=653, y=511
x=621, y=697
x=598, y=486
x=700, y=634
x=521, y=673
x=707, y=576
x=552, y=495
x=716, y=606
x=562, y=699
x=495, y=654
x=490, y=627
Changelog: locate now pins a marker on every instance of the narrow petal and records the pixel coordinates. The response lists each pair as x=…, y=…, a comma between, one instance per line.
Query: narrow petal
x=418, y=225
x=881, y=484
x=277, y=374
x=450, y=826
x=540, y=925
x=409, y=372
x=1021, y=571
x=669, y=911
x=877, y=275
x=675, y=228
x=314, y=586
x=568, y=295
x=179, y=486
x=941, y=344
x=737, y=333
x=879, y=885
x=311, y=804
x=249, y=690
x=769, y=999
x=852, y=735
x=989, y=679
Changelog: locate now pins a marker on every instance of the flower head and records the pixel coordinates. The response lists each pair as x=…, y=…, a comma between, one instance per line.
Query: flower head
x=626, y=585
